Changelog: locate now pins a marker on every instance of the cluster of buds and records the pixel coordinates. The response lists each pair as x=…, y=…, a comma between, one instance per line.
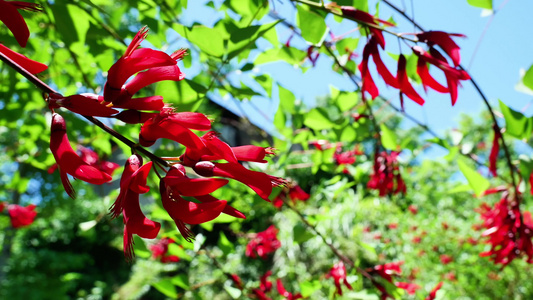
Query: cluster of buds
x=508, y=229
x=386, y=177
x=208, y=156
x=293, y=192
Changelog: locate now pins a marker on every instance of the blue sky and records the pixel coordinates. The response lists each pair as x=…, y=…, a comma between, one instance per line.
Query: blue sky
x=506, y=48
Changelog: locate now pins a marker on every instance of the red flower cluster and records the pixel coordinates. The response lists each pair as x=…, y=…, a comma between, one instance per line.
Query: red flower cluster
x=263, y=243
x=401, y=81
x=509, y=230
x=386, y=177
x=160, y=251
x=293, y=192
x=20, y=216
x=266, y=286
x=14, y=21
x=207, y=155
x=338, y=273
x=91, y=157
x=386, y=272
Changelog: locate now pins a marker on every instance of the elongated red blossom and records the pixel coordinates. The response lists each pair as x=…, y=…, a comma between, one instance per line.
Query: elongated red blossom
x=264, y=243
x=338, y=273
x=14, y=21
x=493, y=156
x=133, y=61
x=433, y=294
x=453, y=75
x=84, y=104
x=214, y=149
x=69, y=162
x=21, y=216
x=91, y=157
x=29, y=65
x=364, y=17
x=443, y=39
x=410, y=288
x=405, y=86
x=133, y=183
x=293, y=192
x=386, y=177
x=284, y=293
x=174, y=126
x=264, y=284
x=237, y=280
x=427, y=80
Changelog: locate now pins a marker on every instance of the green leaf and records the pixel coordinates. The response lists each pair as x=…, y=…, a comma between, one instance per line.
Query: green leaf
x=388, y=138
x=526, y=167
x=301, y=234
x=318, y=119
x=487, y=4
x=166, y=287
x=186, y=95
x=476, y=181
x=242, y=38
x=528, y=78
x=516, y=123
x=346, y=101
x=286, y=99
x=181, y=280
x=209, y=40
x=309, y=287
x=312, y=25
x=235, y=293
x=224, y=244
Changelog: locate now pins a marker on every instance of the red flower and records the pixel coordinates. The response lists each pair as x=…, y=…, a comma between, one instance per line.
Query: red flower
x=160, y=250
x=174, y=126
x=445, y=259
x=265, y=284
x=263, y=243
x=413, y=209
x=387, y=270
x=386, y=175
x=133, y=61
x=84, y=104
x=433, y=293
x=29, y=65
x=403, y=81
x=364, y=17
x=453, y=75
x=410, y=288
x=21, y=216
x=133, y=183
x=369, y=86
x=69, y=162
x=237, y=280
x=296, y=193
x=283, y=292
x=13, y=19
x=338, y=273
x=509, y=231
x=443, y=40
x=493, y=157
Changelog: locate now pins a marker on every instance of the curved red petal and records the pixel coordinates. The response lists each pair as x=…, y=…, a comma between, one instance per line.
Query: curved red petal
x=31, y=66
x=138, y=179
x=154, y=75
x=144, y=103
x=83, y=104
x=135, y=220
x=405, y=85
x=191, y=187
x=228, y=210
x=68, y=160
x=427, y=79
x=14, y=22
